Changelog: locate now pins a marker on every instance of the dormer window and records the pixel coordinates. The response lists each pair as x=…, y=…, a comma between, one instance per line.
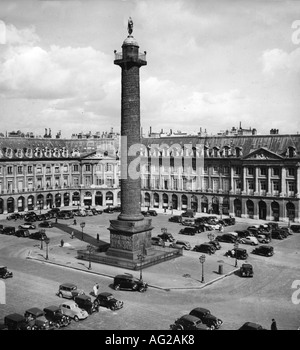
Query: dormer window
x=291, y=152
x=19, y=153
x=9, y=153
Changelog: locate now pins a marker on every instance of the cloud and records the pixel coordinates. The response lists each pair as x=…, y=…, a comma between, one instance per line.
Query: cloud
x=277, y=60
x=25, y=36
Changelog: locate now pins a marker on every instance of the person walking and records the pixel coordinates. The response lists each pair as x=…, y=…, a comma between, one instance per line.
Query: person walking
x=97, y=237
x=62, y=243
x=95, y=289
x=74, y=222
x=72, y=234
x=274, y=325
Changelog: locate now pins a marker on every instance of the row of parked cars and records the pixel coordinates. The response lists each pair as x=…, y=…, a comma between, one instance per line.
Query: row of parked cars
x=23, y=230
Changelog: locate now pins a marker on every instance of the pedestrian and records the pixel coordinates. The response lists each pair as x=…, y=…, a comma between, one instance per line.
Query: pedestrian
x=62, y=243
x=273, y=325
x=95, y=289
x=72, y=234
x=56, y=220
x=74, y=222
x=97, y=237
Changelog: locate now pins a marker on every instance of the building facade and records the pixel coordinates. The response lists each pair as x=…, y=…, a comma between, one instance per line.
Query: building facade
x=252, y=176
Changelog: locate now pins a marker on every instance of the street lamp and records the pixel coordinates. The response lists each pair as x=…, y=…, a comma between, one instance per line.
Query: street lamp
x=47, y=241
x=202, y=260
x=90, y=249
x=82, y=224
x=42, y=239
x=236, y=245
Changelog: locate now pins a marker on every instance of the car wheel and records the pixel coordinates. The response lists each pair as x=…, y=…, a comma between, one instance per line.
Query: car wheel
x=141, y=290
x=178, y=328
x=76, y=319
x=60, y=295
x=212, y=327
x=57, y=325
x=117, y=287
x=113, y=308
x=33, y=328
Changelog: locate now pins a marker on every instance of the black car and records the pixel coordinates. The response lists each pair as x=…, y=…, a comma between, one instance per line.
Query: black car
x=167, y=237
x=226, y=238
x=175, y=218
x=264, y=250
x=23, y=232
x=37, y=320
x=14, y=216
x=206, y=317
x=46, y=224
x=188, y=231
x=4, y=273
x=85, y=302
x=205, y=248
x=295, y=228
x=108, y=210
x=243, y=233
x=229, y=221
x=107, y=300
x=251, y=326
x=246, y=270
x=53, y=314
x=215, y=244
x=9, y=230
x=238, y=253
x=189, y=213
x=127, y=281
x=277, y=234
x=189, y=322
x=150, y=212
x=38, y=235
x=16, y=322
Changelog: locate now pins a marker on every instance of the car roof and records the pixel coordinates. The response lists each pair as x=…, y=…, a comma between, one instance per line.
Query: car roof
x=201, y=309
x=190, y=318
x=3, y=267
x=15, y=317
x=69, y=285
x=83, y=296
x=252, y=325
x=68, y=302
x=51, y=308
x=247, y=265
x=34, y=310
x=266, y=247
x=125, y=275
x=106, y=294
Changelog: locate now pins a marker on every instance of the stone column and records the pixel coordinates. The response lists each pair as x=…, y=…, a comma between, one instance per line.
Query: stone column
x=298, y=181
x=269, y=186
x=256, y=184
x=283, y=182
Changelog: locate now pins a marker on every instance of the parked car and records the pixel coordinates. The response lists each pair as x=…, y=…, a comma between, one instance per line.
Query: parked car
x=249, y=240
x=152, y=212
x=263, y=239
x=295, y=228
x=167, y=237
x=181, y=244
x=251, y=326
x=107, y=300
x=4, y=273
x=157, y=241
x=205, y=248
x=38, y=235
x=28, y=226
x=54, y=314
x=226, y=238
x=37, y=320
x=23, y=232
x=14, y=216
x=207, y=318
x=277, y=235
x=243, y=233
x=43, y=217
x=189, y=213
x=47, y=224
x=8, y=230
x=175, y=218
x=69, y=291
x=286, y=229
x=16, y=322
x=189, y=322
x=273, y=225
x=264, y=250
x=71, y=309
x=215, y=244
x=127, y=281
x=229, y=221
x=188, y=231
x=85, y=302
x=238, y=253
x=246, y=270
x=188, y=221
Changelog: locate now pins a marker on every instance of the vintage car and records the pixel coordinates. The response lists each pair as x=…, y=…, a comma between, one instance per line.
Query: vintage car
x=69, y=291
x=246, y=270
x=295, y=228
x=251, y=326
x=228, y=238
x=127, y=281
x=23, y=232
x=181, y=244
x=205, y=248
x=53, y=314
x=4, y=273
x=16, y=322
x=167, y=237
x=107, y=300
x=46, y=224
x=189, y=322
x=188, y=221
x=215, y=244
x=85, y=302
x=191, y=231
x=264, y=250
x=207, y=318
x=175, y=218
x=14, y=216
x=8, y=230
x=157, y=241
x=263, y=239
x=27, y=225
x=71, y=309
x=238, y=253
x=189, y=213
x=35, y=317
x=249, y=240
x=38, y=235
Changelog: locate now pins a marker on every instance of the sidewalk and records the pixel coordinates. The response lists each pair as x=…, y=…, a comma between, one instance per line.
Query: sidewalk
x=181, y=273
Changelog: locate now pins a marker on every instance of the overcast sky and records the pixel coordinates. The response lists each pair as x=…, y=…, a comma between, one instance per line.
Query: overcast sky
x=210, y=64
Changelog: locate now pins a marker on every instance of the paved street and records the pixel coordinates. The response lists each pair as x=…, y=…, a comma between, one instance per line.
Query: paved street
x=175, y=286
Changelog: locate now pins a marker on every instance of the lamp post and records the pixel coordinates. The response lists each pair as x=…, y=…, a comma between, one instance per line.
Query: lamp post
x=90, y=249
x=82, y=224
x=42, y=232
x=202, y=260
x=47, y=241
x=236, y=245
